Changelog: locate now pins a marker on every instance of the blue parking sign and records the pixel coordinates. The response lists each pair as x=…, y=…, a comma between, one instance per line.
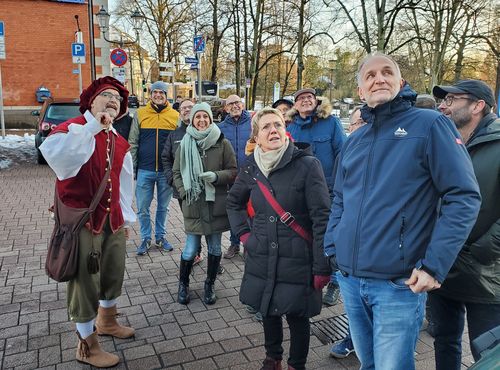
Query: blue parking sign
x=77, y=49
x=78, y=52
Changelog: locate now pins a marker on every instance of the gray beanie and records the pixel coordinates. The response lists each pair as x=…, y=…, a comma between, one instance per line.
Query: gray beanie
x=201, y=107
x=159, y=85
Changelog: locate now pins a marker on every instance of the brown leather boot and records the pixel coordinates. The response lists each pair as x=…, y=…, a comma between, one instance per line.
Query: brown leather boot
x=106, y=324
x=271, y=364
x=89, y=351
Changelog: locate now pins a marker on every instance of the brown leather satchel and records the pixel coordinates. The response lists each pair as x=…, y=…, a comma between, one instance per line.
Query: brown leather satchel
x=61, y=263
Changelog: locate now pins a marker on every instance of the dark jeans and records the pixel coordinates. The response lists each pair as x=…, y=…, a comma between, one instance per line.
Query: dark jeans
x=233, y=238
x=449, y=319
x=299, y=339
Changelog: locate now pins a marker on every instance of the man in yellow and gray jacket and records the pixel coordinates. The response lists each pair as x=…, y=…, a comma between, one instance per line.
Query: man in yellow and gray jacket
x=150, y=128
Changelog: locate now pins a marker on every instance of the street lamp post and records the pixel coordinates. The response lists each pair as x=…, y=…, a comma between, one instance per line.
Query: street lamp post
x=137, y=20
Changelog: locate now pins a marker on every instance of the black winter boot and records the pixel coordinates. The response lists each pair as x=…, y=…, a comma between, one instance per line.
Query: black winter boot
x=212, y=268
x=185, y=271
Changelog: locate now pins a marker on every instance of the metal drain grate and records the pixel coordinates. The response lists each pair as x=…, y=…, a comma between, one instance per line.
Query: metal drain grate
x=330, y=330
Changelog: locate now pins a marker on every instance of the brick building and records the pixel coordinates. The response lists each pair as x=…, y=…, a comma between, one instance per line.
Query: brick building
x=38, y=37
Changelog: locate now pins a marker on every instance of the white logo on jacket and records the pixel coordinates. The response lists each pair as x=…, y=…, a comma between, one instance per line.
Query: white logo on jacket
x=400, y=132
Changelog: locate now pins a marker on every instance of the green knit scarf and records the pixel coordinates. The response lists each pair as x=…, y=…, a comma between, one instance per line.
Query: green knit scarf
x=191, y=164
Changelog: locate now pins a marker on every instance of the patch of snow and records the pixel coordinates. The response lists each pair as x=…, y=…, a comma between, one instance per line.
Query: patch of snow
x=15, y=141
x=15, y=149
x=5, y=163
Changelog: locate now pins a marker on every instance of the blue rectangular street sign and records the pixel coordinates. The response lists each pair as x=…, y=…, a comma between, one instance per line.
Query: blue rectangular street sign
x=190, y=60
x=77, y=49
x=194, y=66
x=76, y=71
x=199, y=44
x=2, y=32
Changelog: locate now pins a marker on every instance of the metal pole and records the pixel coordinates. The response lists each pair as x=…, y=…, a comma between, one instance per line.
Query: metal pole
x=79, y=38
x=2, y=118
x=131, y=72
x=199, y=78
x=91, y=40
x=80, y=83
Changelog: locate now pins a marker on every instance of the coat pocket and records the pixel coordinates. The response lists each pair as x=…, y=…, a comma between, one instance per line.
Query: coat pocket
x=190, y=210
x=322, y=148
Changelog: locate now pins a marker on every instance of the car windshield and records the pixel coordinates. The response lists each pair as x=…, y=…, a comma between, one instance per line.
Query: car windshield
x=58, y=113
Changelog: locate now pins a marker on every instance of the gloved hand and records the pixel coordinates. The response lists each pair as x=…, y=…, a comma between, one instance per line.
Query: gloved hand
x=208, y=176
x=244, y=237
x=320, y=281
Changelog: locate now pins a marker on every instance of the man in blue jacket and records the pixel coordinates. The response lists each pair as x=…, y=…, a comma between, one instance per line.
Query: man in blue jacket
x=236, y=127
x=390, y=242
x=313, y=123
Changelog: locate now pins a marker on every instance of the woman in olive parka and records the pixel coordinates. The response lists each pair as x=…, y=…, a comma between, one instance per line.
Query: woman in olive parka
x=204, y=166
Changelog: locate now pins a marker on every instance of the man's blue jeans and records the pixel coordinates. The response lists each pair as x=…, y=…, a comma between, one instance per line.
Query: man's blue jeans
x=385, y=318
x=449, y=319
x=193, y=242
x=144, y=190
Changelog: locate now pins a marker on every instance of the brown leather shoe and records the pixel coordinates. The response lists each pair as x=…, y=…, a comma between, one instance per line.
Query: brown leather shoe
x=89, y=351
x=271, y=364
x=232, y=251
x=106, y=324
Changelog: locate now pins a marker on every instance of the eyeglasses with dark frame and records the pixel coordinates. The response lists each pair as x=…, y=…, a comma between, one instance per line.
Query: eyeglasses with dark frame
x=232, y=104
x=449, y=99
x=110, y=96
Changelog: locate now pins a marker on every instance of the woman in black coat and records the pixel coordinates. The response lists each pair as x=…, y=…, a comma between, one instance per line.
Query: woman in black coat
x=284, y=273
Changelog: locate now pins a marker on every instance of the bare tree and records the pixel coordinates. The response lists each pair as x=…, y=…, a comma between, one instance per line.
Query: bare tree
x=373, y=22
x=167, y=23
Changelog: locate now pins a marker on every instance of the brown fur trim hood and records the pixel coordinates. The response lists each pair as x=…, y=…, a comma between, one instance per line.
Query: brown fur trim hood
x=323, y=110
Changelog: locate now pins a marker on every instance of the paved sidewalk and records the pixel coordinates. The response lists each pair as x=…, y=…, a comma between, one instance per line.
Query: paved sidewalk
x=34, y=327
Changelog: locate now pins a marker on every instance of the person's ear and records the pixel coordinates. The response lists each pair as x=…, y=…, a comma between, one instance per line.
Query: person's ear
x=360, y=93
x=479, y=106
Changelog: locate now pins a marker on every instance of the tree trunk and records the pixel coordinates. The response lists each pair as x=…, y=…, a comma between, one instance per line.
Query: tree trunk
x=256, y=47
x=300, y=45
x=237, y=42
x=216, y=41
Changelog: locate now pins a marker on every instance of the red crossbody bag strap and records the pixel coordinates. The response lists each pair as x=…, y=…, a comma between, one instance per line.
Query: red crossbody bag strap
x=285, y=217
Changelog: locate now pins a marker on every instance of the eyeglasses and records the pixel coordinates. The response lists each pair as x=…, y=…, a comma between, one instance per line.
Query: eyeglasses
x=110, y=96
x=449, y=99
x=187, y=107
x=232, y=104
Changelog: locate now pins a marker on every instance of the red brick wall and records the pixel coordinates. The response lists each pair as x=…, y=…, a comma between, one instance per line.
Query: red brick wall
x=38, y=37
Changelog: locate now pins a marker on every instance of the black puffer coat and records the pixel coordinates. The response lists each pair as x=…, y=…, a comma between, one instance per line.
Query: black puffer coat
x=279, y=267
x=168, y=154
x=475, y=275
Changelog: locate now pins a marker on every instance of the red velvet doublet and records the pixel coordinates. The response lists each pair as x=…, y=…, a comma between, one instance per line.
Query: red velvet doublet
x=78, y=191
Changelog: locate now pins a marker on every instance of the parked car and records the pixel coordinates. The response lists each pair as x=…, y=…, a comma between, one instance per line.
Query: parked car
x=52, y=113
x=217, y=106
x=133, y=101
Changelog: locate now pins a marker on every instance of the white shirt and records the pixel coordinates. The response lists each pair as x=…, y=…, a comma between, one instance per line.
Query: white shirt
x=66, y=153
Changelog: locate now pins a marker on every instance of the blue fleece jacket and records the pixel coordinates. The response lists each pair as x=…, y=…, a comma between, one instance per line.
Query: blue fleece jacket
x=392, y=173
